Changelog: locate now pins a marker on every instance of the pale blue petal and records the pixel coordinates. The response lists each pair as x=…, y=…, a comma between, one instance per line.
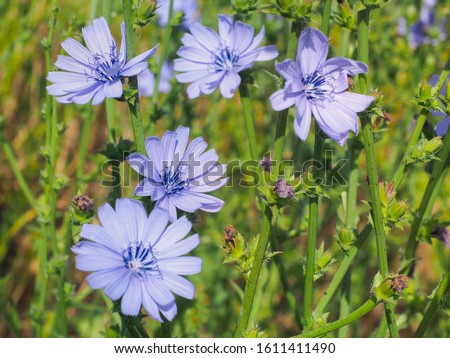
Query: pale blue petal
x=289, y=70
x=182, y=141
x=140, y=164
x=357, y=102
x=155, y=225
x=181, y=247
x=149, y=305
x=230, y=82
x=77, y=51
x=226, y=29
x=344, y=64
x=111, y=223
x=153, y=147
x=281, y=100
x=312, y=50
x=116, y=289
x=184, y=265
x=103, y=278
x=179, y=285
x=169, y=311
x=169, y=142
x=266, y=53
x=69, y=64
x=442, y=127
x=113, y=89
x=133, y=217
x=174, y=233
x=243, y=36
x=205, y=36
x=192, y=76
x=185, y=203
x=302, y=118
x=195, y=54
x=132, y=298
x=159, y=292
x=102, y=236
x=180, y=64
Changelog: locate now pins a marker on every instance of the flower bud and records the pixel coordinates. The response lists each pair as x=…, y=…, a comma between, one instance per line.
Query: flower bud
x=346, y=237
x=398, y=210
x=388, y=289
x=433, y=145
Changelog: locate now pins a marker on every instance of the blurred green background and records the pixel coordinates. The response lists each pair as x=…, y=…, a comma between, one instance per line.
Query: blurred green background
x=394, y=70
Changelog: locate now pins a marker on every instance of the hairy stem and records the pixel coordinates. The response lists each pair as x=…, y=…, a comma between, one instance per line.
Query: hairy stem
x=313, y=218
x=434, y=305
x=369, y=147
x=164, y=53
x=249, y=122
x=342, y=270
x=133, y=103
x=250, y=288
x=434, y=185
x=364, y=309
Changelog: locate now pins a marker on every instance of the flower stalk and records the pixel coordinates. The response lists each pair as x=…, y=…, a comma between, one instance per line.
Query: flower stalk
x=133, y=102
x=369, y=147
x=313, y=224
x=434, y=305
x=364, y=309
x=250, y=288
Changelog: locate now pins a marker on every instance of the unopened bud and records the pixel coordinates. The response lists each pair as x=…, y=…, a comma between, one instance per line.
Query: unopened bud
x=83, y=203
x=283, y=189
x=398, y=210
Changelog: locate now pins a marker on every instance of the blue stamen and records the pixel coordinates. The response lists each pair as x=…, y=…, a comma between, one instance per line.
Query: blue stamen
x=174, y=182
x=225, y=59
x=139, y=258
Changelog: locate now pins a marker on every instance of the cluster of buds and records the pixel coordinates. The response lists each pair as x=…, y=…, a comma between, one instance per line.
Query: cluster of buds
x=389, y=289
x=345, y=237
x=394, y=211
x=240, y=252
x=425, y=150
x=294, y=10
x=81, y=211
x=323, y=262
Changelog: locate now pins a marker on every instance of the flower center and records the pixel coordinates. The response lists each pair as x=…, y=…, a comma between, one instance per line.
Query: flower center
x=318, y=87
x=140, y=259
x=174, y=181
x=107, y=67
x=225, y=59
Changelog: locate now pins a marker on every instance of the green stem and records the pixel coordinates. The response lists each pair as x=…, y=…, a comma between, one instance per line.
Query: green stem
x=18, y=174
x=434, y=185
x=369, y=147
x=424, y=112
x=249, y=123
x=342, y=270
x=164, y=52
x=400, y=172
x=285, y=284
x=326, y=17
x=433, y=307
x=250, y=288
x=83, y=146
x=344, y=307
x=134, y=326
x=280, y=136
x=313, y=226
x=364, y=309
x=48, y=227
x=133, y=103
x=313, y=219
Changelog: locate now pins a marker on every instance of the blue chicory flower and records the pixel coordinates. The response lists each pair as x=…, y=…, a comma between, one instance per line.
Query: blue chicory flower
x=146, y=80
x=189, y=8
x=210, y=60
x=420, y=31
x=177, y=175
x=95, y=72
x=318, y=87
x=441, y=128
x=138, y=258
